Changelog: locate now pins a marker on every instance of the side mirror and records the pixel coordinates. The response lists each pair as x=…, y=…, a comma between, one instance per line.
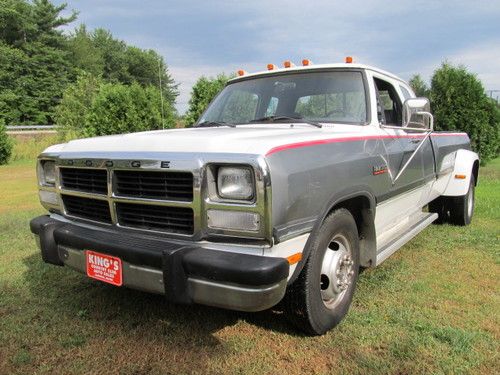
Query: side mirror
x=417, y=115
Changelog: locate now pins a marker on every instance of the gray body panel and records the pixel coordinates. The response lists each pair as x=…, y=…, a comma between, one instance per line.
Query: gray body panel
x=306, y=180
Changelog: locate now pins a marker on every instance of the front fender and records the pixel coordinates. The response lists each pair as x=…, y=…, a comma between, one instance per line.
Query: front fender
x=368, y=243
x=466, y=165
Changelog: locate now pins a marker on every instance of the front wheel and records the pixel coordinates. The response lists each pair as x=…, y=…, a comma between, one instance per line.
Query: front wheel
x=320, y=297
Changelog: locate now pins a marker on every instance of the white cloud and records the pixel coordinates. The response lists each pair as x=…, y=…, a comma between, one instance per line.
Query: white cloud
x=208, y=38
x=482, y=59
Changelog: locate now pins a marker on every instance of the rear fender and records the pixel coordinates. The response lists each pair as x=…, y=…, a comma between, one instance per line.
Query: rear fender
x=466, y=165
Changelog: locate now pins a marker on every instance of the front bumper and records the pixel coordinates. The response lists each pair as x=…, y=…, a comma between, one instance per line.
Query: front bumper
x=182, y=271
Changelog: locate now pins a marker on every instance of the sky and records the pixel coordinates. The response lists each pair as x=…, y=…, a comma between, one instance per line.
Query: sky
x=206, y=38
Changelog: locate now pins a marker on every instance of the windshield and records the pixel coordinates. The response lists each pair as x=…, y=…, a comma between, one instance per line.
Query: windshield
x=335, y=96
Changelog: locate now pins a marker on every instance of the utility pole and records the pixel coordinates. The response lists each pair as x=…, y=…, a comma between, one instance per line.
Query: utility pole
x=490, y=94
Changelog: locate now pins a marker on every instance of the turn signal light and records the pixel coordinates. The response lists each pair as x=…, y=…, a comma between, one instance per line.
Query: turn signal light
x=288, y=64
x=271, y=67
x=295, y=258
x=460, y=176
x=348, y=60
x=306, y=62
x=241, y=72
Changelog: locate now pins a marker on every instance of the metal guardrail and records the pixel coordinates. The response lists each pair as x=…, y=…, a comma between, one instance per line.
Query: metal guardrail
x=31, y=127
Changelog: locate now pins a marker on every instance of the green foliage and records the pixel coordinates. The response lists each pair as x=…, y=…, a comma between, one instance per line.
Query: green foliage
x=419, y=86
x=34, y=65
x=91, y=107
x=202, y=93
x=460, y=103
x=75, y=106
x=38, y=61
x=98, y=53
x=5, y=144
x=124, y=109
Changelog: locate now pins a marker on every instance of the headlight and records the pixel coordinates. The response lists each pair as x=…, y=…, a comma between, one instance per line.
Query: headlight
x=235, y=183
x=48, y=172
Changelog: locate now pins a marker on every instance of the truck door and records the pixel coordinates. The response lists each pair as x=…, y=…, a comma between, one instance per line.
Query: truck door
x=402, y=196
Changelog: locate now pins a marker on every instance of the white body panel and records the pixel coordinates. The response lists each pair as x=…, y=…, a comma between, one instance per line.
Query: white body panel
x=464, y=162
x=250, y=139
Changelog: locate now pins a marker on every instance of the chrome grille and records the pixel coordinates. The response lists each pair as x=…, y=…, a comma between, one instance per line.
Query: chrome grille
x=87, y=208
x=177, y=186
x=86, y=180
x=161, y=218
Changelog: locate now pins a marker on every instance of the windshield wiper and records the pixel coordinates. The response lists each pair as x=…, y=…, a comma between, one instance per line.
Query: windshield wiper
x=287, y=118
x=208, y=124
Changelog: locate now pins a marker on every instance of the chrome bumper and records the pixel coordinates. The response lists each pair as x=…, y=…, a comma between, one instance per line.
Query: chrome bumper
x=184, y=273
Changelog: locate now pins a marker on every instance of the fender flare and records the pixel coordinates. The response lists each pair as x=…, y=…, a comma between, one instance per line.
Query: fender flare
x=336, y=200
x=466, y=164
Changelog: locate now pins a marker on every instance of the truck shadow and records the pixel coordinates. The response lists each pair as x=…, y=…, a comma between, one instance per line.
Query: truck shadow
x=72, y=296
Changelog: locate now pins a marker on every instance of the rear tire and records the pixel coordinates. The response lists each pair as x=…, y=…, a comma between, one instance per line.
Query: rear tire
x=320, y=297
x=462, y=208
x=440, y=206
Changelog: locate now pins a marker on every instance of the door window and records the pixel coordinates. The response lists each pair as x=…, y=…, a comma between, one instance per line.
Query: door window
x=388, y=103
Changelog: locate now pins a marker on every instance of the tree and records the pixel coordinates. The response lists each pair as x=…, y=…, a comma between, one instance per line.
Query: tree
x=123, y=109
x=76, y=104
x=459, y=103
x=98, y=53
x=91, y=107
x=85, y=55
x=419, y=86
x=5, y=144
x=202, y=93
x=34, y=64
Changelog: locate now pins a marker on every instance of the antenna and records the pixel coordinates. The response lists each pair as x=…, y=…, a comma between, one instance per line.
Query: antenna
x=161, y=94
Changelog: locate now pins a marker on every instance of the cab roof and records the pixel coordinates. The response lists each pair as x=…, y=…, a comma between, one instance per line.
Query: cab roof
x=315, y=67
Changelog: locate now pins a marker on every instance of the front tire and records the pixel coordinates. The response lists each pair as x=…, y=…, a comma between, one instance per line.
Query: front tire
x=320, y=297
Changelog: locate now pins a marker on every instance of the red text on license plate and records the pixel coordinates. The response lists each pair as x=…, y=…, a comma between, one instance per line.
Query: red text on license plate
x=104, y=267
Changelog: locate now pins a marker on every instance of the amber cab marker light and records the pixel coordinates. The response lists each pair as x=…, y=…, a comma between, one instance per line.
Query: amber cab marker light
x=348, y=60
x=288, y=64
x=306, y=62
x=460, y=176
x=295, y=258
x=241, y=72
x=271, y=67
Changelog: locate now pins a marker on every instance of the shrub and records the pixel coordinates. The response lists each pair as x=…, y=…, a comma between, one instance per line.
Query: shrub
x=92, y=108
x=460, y=103
x=123, y=109
x=204, y=90
x=5, y=144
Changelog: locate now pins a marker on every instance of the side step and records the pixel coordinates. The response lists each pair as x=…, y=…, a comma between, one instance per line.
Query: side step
x=402, y=237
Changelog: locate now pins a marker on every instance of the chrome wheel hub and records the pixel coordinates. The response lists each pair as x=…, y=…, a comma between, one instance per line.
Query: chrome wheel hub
x=337, y=270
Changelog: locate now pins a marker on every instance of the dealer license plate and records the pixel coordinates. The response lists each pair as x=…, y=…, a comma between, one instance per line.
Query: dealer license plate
x=104, y=267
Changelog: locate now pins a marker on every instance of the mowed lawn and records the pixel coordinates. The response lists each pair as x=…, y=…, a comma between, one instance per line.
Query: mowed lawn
x=434, y=307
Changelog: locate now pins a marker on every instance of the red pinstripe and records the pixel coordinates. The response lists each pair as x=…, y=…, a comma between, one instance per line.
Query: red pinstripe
x=352, y=139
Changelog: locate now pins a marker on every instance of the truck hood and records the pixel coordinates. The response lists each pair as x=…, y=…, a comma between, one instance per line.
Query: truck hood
x=247, y=139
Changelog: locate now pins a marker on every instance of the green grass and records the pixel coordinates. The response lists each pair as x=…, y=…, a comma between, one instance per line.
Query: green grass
x=433, y=307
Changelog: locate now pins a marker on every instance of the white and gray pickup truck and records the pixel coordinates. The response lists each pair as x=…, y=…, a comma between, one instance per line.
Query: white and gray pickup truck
x=292, y=180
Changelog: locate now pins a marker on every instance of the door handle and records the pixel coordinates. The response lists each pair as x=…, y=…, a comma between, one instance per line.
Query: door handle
x=416, y=141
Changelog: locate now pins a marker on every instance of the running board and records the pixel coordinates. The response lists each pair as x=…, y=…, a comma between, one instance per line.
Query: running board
x=401, y=238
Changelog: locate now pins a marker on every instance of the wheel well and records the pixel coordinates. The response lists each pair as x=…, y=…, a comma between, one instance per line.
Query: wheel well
x=364, y=215
x=475, y=171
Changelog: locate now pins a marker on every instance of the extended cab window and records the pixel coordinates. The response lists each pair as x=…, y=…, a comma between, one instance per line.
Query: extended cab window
x=389, y=105
x=325, y=96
